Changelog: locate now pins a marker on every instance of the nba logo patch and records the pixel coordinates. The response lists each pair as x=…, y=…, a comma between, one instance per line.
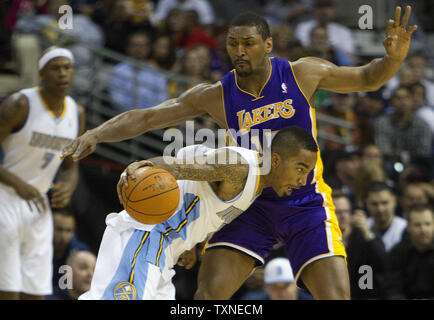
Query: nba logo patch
x=284, y=87
x=125, y=291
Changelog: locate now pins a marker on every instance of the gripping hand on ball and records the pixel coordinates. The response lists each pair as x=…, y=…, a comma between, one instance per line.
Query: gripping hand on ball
x=129, y=173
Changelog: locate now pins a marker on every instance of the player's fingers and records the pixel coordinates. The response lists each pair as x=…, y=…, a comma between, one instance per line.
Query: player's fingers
x=129, y=171
x=412, y=29
x=397, y=16
x=407, y=13
x=389, y=26
x=83, y=150
x=69, y=149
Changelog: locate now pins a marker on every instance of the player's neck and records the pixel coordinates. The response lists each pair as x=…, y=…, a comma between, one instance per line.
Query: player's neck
x=53, y=102
x=256, y=81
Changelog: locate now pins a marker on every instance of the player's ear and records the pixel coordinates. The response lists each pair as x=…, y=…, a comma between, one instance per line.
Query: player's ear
x=275, y=160
x=268, y=45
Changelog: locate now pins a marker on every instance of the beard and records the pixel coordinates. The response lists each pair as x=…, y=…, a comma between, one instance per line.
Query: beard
x=247, y=70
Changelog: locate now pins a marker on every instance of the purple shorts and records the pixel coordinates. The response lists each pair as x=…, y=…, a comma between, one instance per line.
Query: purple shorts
x=306, y=225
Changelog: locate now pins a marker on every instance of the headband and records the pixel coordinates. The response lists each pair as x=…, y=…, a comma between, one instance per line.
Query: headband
x=55, y=53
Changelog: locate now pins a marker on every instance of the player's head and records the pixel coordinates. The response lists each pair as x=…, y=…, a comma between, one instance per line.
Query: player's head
x=293, y=157
x=56, y=70
x=248, y=43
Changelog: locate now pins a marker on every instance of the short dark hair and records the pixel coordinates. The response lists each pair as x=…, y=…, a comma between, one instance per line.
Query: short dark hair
x=378, y=187
x=420, y=207
x=290, y=140
x=401, y=88
x=66, y=211
x=339, y=193
x=251, y=19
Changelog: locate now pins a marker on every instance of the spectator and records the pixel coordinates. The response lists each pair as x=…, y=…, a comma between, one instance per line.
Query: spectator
x=411, y=263
x=226, y=10
x=405, y=77
x=364, y=248
x=367, y=173
x=288, y=12
x=136, y=86
x=422, y=109
x=80, y=39
x=345, y=165
x=21, y=8
x=193, y=34
x=82, y=264
x=415, y=193
x=418, y=62
x=319, y=46
x=402, y=131
x=277, y=283
x=285, y=46
x=343, y=210
x=339, y=36
x=117, y=25
x=65, y=241
x=414, y=71
x=381, y=205
x=204, y=10
x=140, y=11
x=195, y=64
x=341, y=107
x=163, y=53
x=369, y=106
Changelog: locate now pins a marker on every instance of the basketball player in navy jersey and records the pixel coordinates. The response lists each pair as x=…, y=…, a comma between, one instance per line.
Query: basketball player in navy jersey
x=268, y=93
x=35, y=124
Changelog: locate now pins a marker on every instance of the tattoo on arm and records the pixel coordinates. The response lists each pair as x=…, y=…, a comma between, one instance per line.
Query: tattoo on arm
x=234, y=173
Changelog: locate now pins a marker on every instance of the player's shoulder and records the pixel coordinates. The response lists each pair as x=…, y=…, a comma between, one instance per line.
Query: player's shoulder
x=312, y=66
x=15, y=106
x=203, y=95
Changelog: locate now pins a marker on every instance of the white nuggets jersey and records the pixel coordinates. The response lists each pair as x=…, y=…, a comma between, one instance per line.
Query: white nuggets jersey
x=33, y=152
x=135, y=261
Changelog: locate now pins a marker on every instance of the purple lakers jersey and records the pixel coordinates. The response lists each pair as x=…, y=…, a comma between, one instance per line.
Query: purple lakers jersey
x=279, y=104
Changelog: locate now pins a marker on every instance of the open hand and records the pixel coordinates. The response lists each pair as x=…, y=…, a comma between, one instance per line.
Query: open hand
x=81, y=147
x=397, y=42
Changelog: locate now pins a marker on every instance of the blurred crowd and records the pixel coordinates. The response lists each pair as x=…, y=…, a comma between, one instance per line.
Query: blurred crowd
x=379, y=164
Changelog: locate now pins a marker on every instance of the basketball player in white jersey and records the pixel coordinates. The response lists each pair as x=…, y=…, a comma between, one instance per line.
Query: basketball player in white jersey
x=135, y=261
x=35, y=124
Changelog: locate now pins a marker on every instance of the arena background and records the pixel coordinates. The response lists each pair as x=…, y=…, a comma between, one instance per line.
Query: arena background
x=185, y=48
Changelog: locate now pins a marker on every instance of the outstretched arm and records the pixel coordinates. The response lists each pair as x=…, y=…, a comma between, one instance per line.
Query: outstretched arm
x=326, y=75
x=193, y=103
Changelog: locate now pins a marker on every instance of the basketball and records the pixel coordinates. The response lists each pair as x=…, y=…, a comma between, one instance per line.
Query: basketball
x=153, y=197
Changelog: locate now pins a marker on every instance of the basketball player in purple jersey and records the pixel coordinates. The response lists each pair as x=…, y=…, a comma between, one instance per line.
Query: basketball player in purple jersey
x=267, y=93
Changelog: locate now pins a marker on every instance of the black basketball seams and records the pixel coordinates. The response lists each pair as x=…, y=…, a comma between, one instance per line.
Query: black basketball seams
x=155, y=195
